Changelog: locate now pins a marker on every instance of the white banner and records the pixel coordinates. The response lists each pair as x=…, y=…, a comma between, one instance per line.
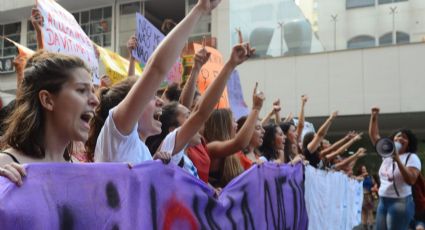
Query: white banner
x=63, y=34
x=333, y=200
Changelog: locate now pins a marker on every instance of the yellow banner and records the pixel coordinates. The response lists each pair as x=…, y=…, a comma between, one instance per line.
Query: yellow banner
x=115, y=65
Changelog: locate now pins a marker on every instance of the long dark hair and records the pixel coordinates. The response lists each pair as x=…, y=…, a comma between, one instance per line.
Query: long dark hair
x=413, y=141
x=25, y=126
x=285, y=126
x=268, y=146
x=168, y=119
x=108, y=99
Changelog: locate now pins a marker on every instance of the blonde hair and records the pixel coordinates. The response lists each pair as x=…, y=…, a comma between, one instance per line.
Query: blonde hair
x=232, y=168
x=219, y=125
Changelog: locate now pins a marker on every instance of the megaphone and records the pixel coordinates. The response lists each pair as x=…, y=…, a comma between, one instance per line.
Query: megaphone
x=385, y=147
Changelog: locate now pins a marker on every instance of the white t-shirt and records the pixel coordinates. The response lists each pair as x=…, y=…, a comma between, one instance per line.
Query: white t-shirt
x=168, y=146
x=387, y=177
x=112, y=146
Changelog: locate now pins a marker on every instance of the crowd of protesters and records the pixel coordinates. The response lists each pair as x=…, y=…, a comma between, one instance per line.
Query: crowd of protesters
x=60, y=116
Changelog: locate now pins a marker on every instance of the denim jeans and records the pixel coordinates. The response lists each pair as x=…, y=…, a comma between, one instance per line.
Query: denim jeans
x=394, y=213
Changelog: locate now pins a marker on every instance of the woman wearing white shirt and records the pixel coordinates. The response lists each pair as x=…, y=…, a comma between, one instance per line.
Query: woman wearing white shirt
x=397, y=175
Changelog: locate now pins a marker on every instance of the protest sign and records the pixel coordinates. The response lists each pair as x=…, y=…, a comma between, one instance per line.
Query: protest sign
x=236, y=100
x=151, y=195
x=148, y=39
x=333, y=200
x=63, y=34
x=176, y=73
x=209, y=73
x=116, y=66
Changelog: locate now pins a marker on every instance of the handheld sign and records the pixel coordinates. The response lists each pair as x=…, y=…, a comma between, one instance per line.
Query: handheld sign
x=63, y=34
x=236, y=100
x=148, y=39
x=209, y=73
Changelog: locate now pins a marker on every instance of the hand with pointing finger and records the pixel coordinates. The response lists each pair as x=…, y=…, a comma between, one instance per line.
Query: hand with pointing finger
x=257, y=98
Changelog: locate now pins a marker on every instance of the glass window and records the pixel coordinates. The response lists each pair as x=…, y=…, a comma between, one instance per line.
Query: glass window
x=77, y=17
x=84, y=17
x=96, y=14
x=387, y=39
x=402, y=38
x=295, y=27
x=14, y=28
x=359, y=3
x=13, y=32
x=129, y=8
x=107, y=12
x=31, y=36
x=390, y=1
x=363, y=41
x=97, y=24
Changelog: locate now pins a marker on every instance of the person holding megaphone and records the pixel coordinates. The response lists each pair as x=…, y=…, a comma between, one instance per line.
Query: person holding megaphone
x=398, y=172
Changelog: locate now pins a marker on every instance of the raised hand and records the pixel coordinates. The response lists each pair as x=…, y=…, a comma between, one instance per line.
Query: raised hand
x=358, y=137
x=131, y=44
x=334, y=114
x=304, y=99
x=36, y=19
x=201, y=57
x=257, y=98
x=361, y=152
x=105, y=81
x=289, y=117
x=375, y=110
x=208, y=5
x=241, y=53
x=276, y=106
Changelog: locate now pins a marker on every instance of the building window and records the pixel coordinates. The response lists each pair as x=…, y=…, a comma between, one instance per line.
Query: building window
x=13, y=32
x=387, y=39
x=31, y=36
x=97, y=24
x=402, y=38
x=363, y=41
x=359, y=3
x=127, y=26
x=390, y=1
x=130, y=8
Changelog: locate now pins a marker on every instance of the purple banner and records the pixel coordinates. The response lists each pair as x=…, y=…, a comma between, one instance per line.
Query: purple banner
x=151, y=196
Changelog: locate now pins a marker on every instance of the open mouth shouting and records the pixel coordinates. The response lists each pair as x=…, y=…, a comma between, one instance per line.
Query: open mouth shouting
x=86, y=117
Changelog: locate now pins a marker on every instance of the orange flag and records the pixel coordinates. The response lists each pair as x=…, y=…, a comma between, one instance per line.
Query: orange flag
x=23, y=51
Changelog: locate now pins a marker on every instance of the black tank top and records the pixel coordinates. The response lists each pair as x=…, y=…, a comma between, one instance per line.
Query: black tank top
x=11, y=156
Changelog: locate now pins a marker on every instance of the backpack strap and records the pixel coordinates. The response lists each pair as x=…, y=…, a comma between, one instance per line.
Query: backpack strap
x=407, y=159
x=405, y=163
